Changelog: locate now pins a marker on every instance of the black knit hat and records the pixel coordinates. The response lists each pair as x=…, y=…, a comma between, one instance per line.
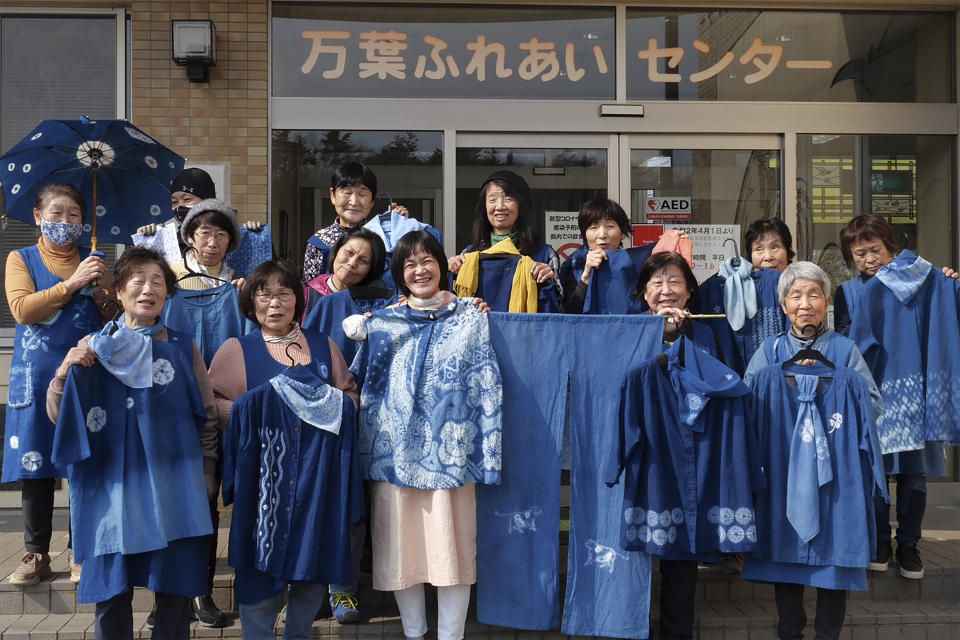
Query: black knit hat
x=517, y=182
x=195, y=181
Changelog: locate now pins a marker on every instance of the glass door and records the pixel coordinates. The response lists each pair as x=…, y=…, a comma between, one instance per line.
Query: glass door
x=563, y=171
x=712, y=186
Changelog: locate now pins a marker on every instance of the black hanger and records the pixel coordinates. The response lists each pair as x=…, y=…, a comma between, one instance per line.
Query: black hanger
x=389, y=198
x=736, y=252
x=190, y=273
x=808, y=352
x=286, y=352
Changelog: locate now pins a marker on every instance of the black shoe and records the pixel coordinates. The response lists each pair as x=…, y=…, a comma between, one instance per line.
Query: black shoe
x=909, y=560
x=882, y=561
x=152, y=618
x=207, y=612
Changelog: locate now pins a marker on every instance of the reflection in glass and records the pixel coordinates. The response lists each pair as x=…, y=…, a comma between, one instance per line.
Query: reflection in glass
x=907, y=179
x=560, y=180
x=790, y=56
x=726, y=186
x=407, y=165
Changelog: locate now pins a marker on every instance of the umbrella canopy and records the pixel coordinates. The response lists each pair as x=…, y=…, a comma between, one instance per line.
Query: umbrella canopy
x=123, y=173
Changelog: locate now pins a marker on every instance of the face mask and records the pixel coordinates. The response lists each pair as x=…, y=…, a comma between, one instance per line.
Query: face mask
x=61, y=232
x=180, y=213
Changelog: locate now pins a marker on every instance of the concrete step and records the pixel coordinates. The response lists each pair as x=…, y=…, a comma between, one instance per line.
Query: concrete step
x=936, y=619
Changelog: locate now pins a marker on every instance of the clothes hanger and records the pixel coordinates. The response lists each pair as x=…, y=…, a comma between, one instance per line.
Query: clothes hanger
x=190, y=273
x=736, y=252
x=808, y=352
x=286, y=352
x=386, y=214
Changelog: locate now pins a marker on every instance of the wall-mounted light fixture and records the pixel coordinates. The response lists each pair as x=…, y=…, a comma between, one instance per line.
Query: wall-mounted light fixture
x=194, y=45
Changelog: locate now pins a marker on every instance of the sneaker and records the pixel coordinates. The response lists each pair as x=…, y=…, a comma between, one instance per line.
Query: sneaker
x=151, y=618
x=909, y=560
x=33, y=568
x=75, y=569
x=207, y=612
x=344, y=606
x=882, y=561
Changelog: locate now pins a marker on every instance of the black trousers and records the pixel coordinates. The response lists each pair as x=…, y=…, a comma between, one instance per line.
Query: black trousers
x=212, y=551
x=36, y=500
x=113, y=619
x=831, y=608
x=678, y=588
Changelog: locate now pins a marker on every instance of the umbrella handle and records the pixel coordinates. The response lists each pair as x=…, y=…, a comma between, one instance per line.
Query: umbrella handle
x=93, y=232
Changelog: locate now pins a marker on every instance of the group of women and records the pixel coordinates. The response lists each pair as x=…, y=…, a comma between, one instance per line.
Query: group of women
x=60, y=298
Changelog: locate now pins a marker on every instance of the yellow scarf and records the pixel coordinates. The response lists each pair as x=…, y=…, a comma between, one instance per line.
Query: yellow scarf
x=523, y=291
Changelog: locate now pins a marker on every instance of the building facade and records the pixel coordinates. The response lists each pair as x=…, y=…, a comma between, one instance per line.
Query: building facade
x=699, y=115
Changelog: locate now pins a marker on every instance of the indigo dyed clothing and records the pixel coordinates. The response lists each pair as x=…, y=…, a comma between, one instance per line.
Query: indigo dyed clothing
x=613, y=286
x=613, y=291
x=211, y=317
x=430, y=403
x=138, y=500
x=111, y=436
x=256, y=247
x=836, y=348
x=906, y=327
x=739, y=345
x=930, y=460
x=496, y=280
x=38, y=350
x=837, y=556
x=327, y=315
x=391, y=226
x=541, y=357
x=684, y=449
x=295, y=487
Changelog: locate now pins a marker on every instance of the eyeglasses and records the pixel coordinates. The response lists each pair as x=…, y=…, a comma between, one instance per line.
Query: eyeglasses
x=219, y=236
x=264, y=297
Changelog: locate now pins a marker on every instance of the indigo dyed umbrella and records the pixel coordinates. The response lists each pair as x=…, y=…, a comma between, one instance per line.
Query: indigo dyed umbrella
x=123, y=173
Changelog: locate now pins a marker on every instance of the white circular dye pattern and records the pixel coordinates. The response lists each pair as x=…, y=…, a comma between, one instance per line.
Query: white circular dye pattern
x=643, y=534
x=721, y=534
x=744, y=515
x=162, y=371
x=151, y=161
x=130, y=403
x=735, y=534
x=36, y=136
x=751, y=533
x=15, y=188
x=155, y=210
x=653, y=518
x=96, y=419
x=26, y=168
x=138, y=135
x=11, y=167
x=806, y=431
x=672, y=535
x=172, y=164
x=665, y=519
x=115, y=230
x=628, y=515
x=726, y=516
x=659, y=537
x=677, y=514
x=713, y=515
x=87, y=228
x=32, y=460
x=14, y=442
x=631, y=534
x=101, y=211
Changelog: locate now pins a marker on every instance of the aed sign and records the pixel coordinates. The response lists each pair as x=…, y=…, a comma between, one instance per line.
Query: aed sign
x=676, y=209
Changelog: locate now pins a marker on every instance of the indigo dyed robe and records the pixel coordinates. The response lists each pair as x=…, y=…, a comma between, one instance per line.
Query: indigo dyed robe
x=210, y=316
x=837, y=557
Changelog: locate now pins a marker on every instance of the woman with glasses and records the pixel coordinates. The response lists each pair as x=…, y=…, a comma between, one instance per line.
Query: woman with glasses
x=272, y=296
x=211, y=230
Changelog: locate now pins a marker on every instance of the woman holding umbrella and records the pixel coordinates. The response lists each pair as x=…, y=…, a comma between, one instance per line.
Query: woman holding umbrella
x=47, y=289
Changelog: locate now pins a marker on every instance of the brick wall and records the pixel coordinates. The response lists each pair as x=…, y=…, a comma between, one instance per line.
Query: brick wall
x=224, y=120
